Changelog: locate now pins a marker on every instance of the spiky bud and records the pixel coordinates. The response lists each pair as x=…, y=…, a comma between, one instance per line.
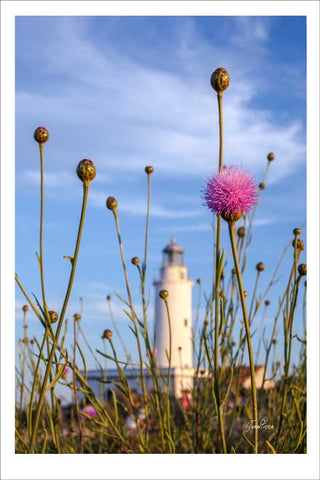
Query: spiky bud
x=297, y=231
x=112, y=204
x=86, y=170
x=108, y=297
x=148, y=170
x=164, y=294
x=262, y=186
x=260, y=266
x=220, y=80
x=270, y=157
x=199, y=281
x=53, y=316
x=299, y=244
x=241, y=232
x=302, y=269
x=25, y=308
x=107, y=334
x=135, y=261
x=267, y=303
x=77, y=317
x=274, y=341
x=41, y=135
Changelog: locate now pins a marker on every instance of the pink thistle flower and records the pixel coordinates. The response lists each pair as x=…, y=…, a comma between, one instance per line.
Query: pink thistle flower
x=230, y=193
x=90, y=410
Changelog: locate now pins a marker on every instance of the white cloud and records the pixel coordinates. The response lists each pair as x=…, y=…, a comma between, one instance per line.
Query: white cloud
x=132, y=113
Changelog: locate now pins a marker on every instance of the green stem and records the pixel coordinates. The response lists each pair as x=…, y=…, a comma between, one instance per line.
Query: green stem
x=169, y=376
x=63, y=311
x=41, y=231
x=232, y=233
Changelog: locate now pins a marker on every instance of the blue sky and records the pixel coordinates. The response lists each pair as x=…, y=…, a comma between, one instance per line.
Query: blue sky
x=134, y=91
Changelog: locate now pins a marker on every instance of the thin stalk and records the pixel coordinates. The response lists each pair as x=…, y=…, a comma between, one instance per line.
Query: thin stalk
x=133, y=316
x=63, y=311
x=76, y=401
x=232, y=233
x=41, y=231
x=169, y=374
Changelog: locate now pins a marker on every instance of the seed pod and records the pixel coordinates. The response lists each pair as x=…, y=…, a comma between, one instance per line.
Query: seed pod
x=274, y=341
x=297, y=231
x=77, y=317
x=41, y=135
x=245, y=293
x=25, y=308
x=267, y=303
x=260, y=266
x=53, y=316
x=262, y=186
x=220, y=80
x=108, y=297
x=86, y=170
x=199, y=281
x=135, y=261
x=270, y=157
x=107, y=334
x=112, y=203
x=164, y=294
x=302, y=269
x=299, y=244
x=241, y=232
x=148, y=170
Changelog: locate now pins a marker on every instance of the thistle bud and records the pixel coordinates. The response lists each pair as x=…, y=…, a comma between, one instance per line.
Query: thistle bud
x=274, y=341
x=270, y=157
x=262, y=186
x=148, y=170
x=107, y=334
x=108, y=297
x=86, y=170
x=25, y=308
x=135, y=261
x=77, y=317
x=220, y=80
x=53, y=316
x=205, y=323
x=245, y=293
x=112, y=204
x=164, y=294
x=179, y=348
x=199, y=281
x=241, y=232
x=41, y=135
x=233, y=271
x=302, y=269
x=260, y=266
x=25, y=341
x=267, y=303
x=297, y=231
x=221, y=294
x=233, y=344
x=299, y=244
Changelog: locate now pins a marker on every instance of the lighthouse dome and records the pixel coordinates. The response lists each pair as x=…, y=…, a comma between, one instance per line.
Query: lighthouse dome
x=173, y=254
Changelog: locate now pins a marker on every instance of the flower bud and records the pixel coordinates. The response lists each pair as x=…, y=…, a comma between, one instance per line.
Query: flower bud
x=86, y=170
x=260, y=266
x=112, y=204
x=245, y=293
x=262, y=186
x=299, y=244
x=221, y=294
x=297, y=231
x=199, y=281
x=107, y=334
x=233, y=344
x=274, y=341
x=108, y=297
x=233, y=271
x=220, y=80
x=270, y=157
x=135, y=261
x=302, y=269
x=148, y=170
x=241, y=232
x=164, y=294
x=25, y=341
x=231, y=217
x=267, y=303
x=53, y=316
x=77, y=317
x=41, y=135
x=25, y=308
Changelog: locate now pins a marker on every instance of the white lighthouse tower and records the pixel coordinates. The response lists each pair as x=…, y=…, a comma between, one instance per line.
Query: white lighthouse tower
x=174, y=279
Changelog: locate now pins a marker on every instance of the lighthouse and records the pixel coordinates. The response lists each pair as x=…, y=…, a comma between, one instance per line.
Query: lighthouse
x=174, y=278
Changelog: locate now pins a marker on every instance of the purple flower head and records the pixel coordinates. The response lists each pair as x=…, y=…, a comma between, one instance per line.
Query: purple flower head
x=230, y=193
x=90, y=410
